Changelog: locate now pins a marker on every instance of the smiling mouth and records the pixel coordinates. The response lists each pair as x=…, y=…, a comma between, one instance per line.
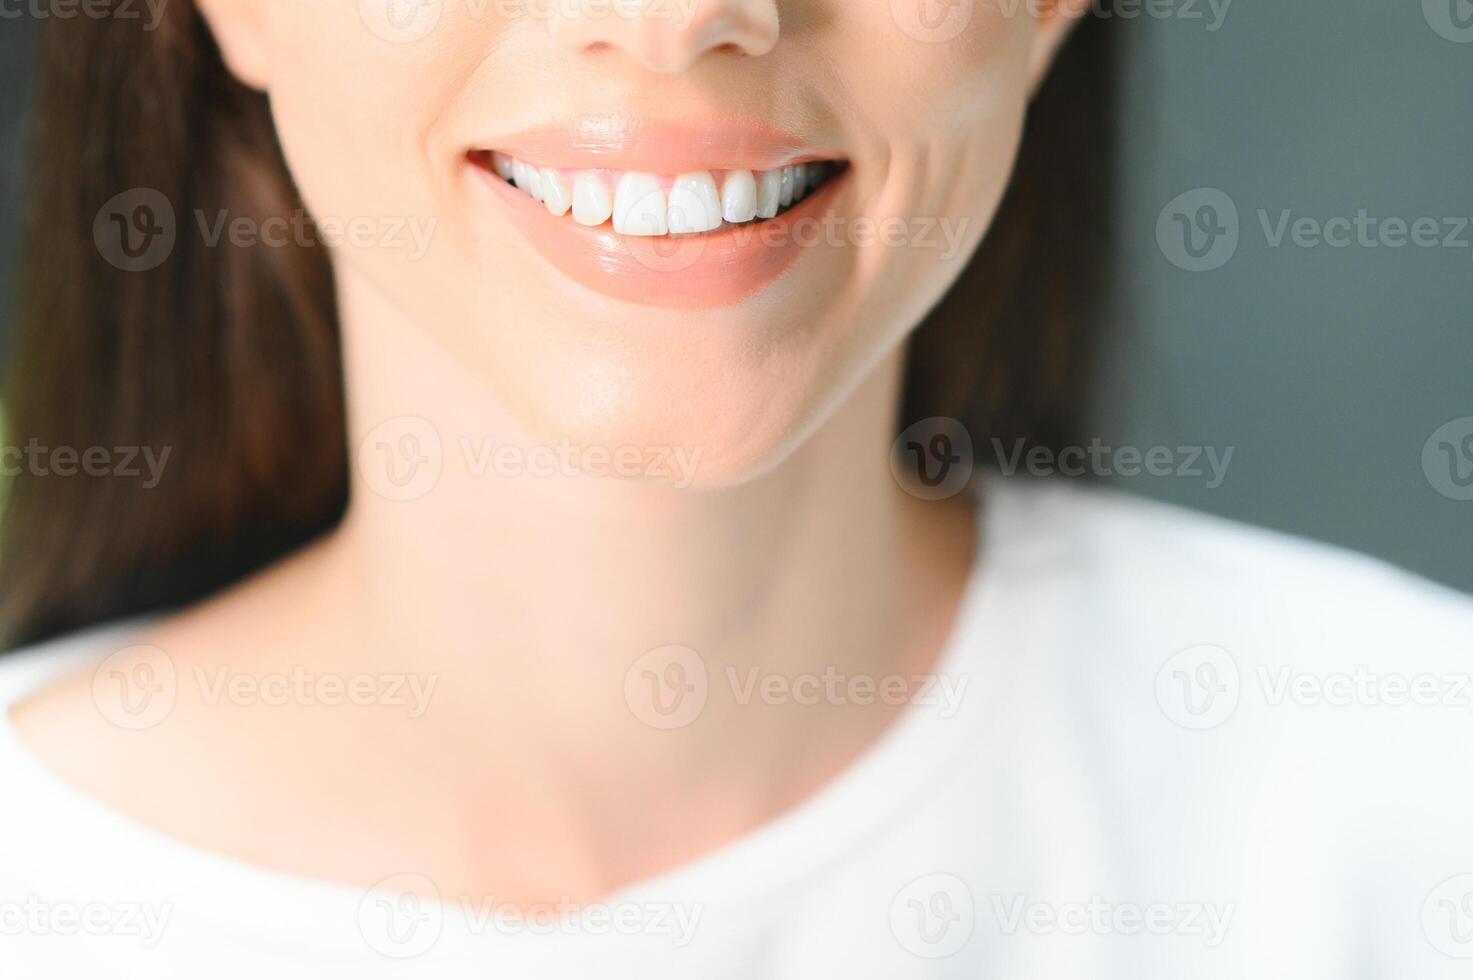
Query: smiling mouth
x=648, y=205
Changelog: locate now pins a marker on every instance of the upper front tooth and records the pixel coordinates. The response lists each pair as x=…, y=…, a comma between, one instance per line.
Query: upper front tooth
x=557, y=193
x=694, y=206
x=769, y=193
x=639, y=206
x=739, y=197
x=786, y=197
x=528, y=179
x=592, y=201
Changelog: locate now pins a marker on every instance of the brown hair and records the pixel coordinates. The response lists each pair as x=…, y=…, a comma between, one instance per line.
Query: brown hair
x=228, y=357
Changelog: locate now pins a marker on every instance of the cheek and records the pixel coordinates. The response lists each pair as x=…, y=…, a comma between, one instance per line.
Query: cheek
x=943, y=120
x=353, y=110
x=949, y=108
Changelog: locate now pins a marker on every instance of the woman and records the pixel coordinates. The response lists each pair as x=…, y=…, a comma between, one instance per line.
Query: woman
x=529, y=580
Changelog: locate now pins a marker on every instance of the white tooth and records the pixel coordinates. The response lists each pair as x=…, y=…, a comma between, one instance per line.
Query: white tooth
x=592, y=202
x=800, y=182
x=817, y=173
x=786, y=196
x=769, y=193
x=739, y=197
x=694, y=206
x=528, y=179
x=639, y=206
x=557, y=193
x=503, y=166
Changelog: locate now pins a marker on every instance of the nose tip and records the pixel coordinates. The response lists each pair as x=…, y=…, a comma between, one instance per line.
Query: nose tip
x=668, y=36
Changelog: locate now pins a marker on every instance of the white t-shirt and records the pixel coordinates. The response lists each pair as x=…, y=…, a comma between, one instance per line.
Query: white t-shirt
x=1166, y=747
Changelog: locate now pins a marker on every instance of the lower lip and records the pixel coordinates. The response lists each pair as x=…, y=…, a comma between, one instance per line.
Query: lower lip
x=688, y=272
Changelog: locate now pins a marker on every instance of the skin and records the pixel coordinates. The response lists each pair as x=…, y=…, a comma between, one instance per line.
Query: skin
x=525, y=600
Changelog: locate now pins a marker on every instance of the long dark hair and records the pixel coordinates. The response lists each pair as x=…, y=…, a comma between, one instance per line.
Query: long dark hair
x=228, y=359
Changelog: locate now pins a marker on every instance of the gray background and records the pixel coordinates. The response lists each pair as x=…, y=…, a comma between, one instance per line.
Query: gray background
x=1326, y=370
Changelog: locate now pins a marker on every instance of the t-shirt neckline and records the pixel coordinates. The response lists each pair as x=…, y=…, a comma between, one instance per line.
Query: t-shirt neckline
x=868, y=795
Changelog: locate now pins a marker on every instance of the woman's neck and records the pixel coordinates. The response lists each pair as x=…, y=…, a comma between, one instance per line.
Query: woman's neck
x=518, y=576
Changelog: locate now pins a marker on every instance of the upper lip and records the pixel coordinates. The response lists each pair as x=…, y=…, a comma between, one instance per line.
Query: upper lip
x=621, y=142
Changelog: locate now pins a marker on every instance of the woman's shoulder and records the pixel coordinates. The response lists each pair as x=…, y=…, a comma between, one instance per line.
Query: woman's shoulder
x=1270, y=706
x=1182, y=564
x=1192, y=639
x=1208, y=650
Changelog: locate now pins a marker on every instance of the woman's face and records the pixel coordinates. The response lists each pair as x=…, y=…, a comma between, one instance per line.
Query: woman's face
x=402, y=119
